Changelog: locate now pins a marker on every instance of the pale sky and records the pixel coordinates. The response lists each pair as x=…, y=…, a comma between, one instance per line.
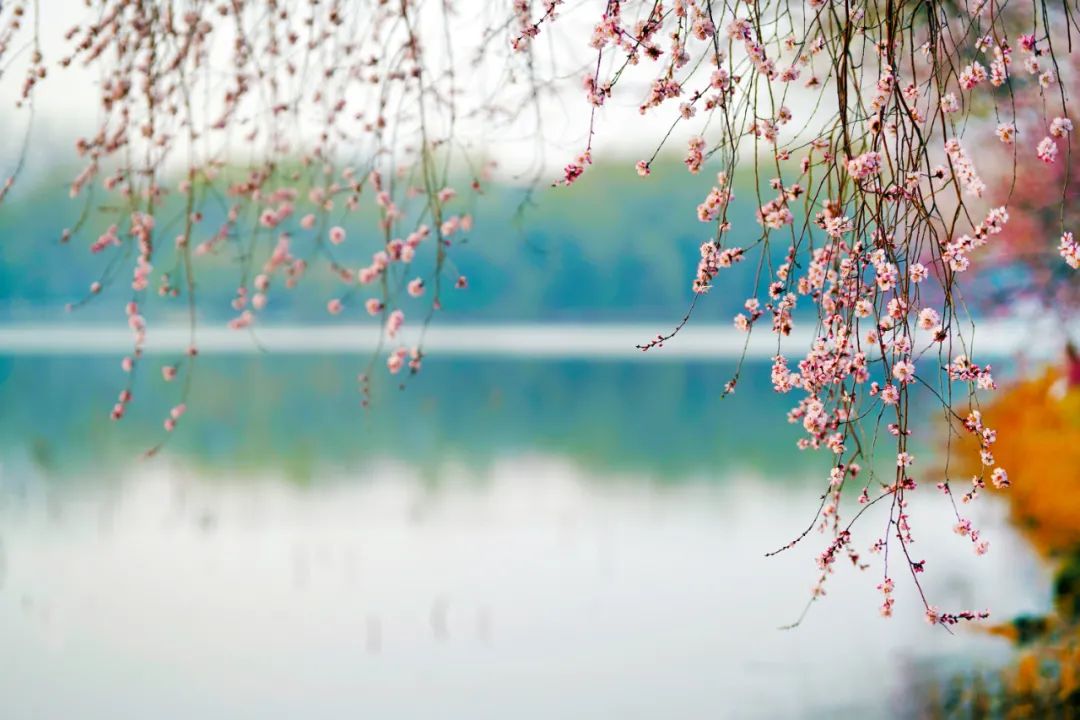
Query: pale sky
x=67, y=102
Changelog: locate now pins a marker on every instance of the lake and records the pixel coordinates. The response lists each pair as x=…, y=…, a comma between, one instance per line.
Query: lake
x=527, y=537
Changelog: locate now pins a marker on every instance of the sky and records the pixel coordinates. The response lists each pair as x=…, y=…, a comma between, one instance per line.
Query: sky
x=537, y=142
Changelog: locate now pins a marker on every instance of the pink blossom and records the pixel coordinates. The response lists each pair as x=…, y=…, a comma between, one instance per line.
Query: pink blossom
x=394, y=322
x=450, y=225
x=1069, y=249
x=1060, y=127
x=890, y=395
x=964, y=168
x=241, y=321
x=396, y=360
x=695, y=155
x=574, y=170
x=864, y=166
x=1047, y=150
x=904, y=371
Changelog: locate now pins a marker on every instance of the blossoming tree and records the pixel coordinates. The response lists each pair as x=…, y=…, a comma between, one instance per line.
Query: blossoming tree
x=857, y=120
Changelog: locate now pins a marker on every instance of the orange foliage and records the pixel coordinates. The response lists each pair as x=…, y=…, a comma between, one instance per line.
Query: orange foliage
x=1038, y=424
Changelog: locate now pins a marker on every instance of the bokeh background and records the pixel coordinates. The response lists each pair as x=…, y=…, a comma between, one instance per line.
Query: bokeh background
x=536, y=532
x=544, y=523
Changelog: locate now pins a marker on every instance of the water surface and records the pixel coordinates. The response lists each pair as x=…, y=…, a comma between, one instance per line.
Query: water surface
x=508, y=537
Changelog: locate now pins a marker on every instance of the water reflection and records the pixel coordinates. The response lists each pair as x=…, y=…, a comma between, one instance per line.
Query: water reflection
x=299, y=414
x=529, y=540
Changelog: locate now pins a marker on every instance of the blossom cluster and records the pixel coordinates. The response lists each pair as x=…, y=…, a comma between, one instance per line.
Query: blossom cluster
x=180, y=86
x=877, y=204
x=861, y=131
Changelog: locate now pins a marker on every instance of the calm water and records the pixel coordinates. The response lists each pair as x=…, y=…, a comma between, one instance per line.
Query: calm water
x=504, y=538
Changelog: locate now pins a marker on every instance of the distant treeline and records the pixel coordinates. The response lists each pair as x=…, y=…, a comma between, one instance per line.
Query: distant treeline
x=617, y=247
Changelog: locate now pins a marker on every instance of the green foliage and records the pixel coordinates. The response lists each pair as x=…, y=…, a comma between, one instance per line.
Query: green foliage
x=619, y=247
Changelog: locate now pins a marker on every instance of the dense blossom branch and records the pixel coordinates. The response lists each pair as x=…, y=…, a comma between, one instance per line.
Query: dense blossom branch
x=872, y=135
